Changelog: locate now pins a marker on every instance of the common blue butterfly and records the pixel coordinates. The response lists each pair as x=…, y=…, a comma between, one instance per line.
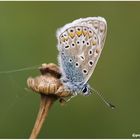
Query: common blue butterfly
x=80, y=44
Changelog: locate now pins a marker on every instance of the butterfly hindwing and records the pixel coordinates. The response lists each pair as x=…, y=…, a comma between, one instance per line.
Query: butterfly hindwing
x=80, y=44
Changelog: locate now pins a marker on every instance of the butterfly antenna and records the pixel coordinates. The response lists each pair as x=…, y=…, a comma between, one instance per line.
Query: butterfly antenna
x=104, y=99
x=18, y=70
x=67, y=100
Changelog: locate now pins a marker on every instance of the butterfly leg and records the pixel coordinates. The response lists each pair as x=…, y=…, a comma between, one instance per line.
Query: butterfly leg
x=64, y=100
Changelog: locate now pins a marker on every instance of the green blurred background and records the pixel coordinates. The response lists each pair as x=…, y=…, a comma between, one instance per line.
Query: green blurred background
x=27, y=38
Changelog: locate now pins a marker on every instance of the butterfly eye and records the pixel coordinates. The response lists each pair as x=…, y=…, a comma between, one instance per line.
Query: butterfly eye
x=90, y=63
x=85, y=71
x=85, y=90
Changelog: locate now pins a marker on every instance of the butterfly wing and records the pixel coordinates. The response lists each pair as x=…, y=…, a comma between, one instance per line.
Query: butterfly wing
x=80, y=44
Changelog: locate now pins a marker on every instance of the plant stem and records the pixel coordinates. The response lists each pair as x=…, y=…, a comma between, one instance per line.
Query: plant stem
x=45, y=105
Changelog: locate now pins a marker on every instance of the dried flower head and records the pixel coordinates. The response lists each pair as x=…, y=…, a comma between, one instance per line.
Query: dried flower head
x=49, y=82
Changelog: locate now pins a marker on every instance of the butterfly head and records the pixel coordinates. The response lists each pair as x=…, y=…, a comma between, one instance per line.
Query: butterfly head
x=77, y=88
x=86, y=90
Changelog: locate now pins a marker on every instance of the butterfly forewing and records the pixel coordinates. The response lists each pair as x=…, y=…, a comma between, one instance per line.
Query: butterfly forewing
x=80, y=44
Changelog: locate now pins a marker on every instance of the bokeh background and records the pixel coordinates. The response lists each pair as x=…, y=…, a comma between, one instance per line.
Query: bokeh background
x=27, y=38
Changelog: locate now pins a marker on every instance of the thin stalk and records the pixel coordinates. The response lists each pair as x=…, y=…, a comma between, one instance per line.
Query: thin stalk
x=45, y=105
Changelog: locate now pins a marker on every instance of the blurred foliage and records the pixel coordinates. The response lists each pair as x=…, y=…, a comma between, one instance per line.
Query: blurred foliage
x=27, y=38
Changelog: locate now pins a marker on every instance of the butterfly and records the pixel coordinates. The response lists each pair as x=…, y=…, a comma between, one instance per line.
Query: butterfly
x=80, y=44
